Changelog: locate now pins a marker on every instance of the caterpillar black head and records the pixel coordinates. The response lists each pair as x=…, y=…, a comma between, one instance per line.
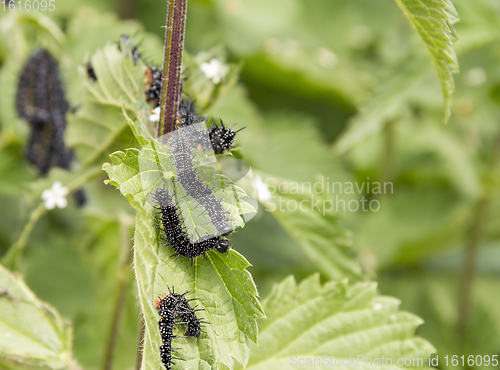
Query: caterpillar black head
x=222, y=246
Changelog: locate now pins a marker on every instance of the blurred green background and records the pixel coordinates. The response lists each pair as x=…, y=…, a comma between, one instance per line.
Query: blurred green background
x=328, y=88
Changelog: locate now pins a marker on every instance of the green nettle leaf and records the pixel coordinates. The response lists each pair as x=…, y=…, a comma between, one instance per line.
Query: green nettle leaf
x=434, y=21
x=310, y=220
x=389, y=103
x=456, y=164
x=32, y=331
x=314, y=324
x=98, y=127
x=222, y=284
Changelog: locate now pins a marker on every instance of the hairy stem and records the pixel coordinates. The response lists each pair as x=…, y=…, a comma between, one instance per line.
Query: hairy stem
x=124, y=273
x=171, y=83
x=142, y=328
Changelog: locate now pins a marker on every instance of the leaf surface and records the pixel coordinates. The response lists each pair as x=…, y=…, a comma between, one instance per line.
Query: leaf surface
x=433, y=20
x=32, y=331
x=333, y=322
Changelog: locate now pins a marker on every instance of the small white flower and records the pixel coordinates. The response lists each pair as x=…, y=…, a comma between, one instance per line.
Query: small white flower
x=326, y=58
x=476, y=76
x=55, y=196
x=155, y=116
x=262, y=189
x=214, y=70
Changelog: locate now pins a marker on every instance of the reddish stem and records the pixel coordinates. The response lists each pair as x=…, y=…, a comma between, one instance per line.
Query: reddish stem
x=171, y=83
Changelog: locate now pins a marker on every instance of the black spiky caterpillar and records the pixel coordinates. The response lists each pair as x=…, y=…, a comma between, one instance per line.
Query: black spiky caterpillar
x=153, y=81
x=180, y=145
x=41, y=100
x=171, y=306
x=175, y=232
x=221, y=138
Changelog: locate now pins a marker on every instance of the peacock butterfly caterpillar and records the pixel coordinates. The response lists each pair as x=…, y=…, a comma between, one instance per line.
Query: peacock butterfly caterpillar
x=183, y=158
x=175, y=233
x=171, y=307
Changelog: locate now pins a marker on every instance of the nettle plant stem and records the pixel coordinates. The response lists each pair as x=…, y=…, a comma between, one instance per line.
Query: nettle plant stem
x=476, y=234
x=171, y=83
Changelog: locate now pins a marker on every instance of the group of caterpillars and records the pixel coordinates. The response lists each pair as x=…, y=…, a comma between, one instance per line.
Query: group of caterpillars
x=186, y=137
x=220, y=139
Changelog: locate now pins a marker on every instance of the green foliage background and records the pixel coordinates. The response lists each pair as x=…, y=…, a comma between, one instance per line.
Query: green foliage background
x=344, y=90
